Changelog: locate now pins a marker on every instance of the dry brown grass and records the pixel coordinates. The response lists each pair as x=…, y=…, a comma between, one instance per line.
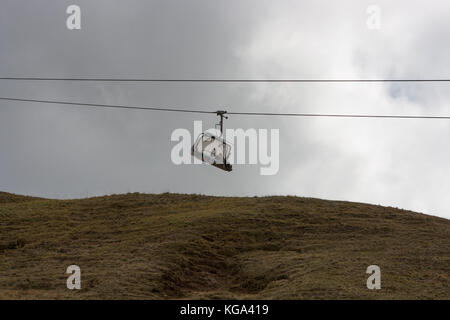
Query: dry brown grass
x=139, y=246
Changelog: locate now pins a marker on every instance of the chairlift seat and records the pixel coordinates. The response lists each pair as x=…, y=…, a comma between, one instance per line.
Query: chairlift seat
x=213, y=149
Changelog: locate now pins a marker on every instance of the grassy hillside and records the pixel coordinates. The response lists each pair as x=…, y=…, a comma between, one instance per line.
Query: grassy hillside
x=189, y=246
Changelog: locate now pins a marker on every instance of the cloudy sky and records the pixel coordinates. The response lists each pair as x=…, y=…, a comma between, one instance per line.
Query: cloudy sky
x=61, y=152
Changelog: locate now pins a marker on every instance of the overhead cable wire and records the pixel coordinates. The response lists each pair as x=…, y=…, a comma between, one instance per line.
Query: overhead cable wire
x=223, y=80
x=116, y=106
x=331, y=115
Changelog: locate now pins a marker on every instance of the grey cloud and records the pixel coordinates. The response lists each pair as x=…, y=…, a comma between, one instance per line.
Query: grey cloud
x=63, y=152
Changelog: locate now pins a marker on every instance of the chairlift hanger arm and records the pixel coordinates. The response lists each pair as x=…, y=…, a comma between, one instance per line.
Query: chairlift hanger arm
x=221, y=114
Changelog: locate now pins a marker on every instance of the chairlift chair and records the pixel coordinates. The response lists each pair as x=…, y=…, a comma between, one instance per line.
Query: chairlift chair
x=212, y=148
